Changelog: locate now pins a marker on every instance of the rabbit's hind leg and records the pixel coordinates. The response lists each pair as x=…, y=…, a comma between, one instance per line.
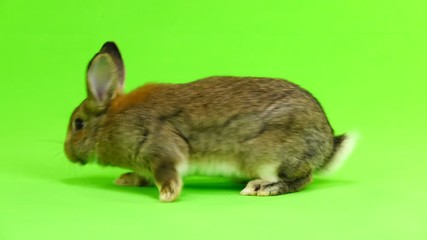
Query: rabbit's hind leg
x=285, y=178
x=260, y=187
x=131, y=179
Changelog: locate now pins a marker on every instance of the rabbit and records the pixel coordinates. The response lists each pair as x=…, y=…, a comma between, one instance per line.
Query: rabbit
x=268, y=131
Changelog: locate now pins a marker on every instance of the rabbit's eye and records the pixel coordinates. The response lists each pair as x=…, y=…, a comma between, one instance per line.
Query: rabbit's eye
x=78, y=124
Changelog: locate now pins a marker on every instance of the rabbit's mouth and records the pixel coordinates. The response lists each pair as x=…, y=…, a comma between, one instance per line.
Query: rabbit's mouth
x=80, y=161
x=74, y=158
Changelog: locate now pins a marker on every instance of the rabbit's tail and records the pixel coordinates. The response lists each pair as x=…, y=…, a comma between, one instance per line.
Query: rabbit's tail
x=343, y=146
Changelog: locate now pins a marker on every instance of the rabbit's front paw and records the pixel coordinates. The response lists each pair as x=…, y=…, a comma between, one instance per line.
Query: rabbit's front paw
x=169, y=193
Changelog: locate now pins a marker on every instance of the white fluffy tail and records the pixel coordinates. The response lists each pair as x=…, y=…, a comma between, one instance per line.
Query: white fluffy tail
x=343, y=147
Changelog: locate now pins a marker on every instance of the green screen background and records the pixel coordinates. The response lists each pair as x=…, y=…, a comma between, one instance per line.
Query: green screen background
x=364, y=60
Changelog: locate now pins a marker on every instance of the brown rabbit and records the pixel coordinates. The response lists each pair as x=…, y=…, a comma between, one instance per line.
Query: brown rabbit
x=269, y=131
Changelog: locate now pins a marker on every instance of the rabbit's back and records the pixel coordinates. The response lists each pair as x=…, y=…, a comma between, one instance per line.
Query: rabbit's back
x=219, y=101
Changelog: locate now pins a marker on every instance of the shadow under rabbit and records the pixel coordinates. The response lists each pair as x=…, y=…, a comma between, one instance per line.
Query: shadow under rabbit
x=325, y=183
x=196, y=184
x=107, y=183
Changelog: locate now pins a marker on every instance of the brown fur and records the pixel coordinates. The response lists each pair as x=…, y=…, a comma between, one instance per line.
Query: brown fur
x=125, y=101
x=265, y=129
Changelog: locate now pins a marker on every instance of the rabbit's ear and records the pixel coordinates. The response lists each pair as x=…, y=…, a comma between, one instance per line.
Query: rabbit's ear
x=112, y=49
x=105, y=75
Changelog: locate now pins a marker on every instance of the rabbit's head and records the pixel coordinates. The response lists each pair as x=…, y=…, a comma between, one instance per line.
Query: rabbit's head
x=104, y=82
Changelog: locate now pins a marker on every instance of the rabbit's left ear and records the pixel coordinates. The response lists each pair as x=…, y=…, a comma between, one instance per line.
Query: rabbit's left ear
x=105, y=75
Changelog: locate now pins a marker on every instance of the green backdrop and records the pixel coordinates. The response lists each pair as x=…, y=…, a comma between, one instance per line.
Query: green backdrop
x=364, y=60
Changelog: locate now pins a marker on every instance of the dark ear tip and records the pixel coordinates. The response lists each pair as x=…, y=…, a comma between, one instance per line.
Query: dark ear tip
x=110, y=47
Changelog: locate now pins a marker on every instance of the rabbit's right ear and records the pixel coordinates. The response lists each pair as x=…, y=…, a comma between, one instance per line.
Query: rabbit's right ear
x=105, y=75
